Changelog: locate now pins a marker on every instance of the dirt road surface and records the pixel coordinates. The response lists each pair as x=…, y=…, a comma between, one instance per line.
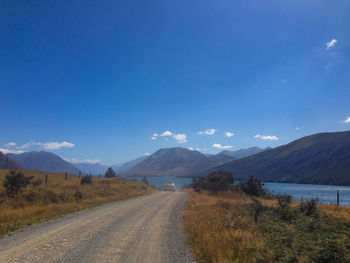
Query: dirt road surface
x=142, y=229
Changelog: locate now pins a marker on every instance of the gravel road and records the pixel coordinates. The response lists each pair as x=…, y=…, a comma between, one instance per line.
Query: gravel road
x=141, y=229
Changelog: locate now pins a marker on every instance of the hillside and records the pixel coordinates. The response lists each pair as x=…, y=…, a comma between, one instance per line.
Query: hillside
x=322, y=158
x=93, y=168
x=241, y=153
x=7, y=163
x=43, y=161
x=127, y=165
x=176, y=161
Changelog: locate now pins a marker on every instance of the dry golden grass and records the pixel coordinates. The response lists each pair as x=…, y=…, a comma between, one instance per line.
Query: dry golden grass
x=213, y=231
x=222, y=229
x=59, y=197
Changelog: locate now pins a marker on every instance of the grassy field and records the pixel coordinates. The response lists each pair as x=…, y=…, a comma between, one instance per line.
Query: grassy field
x=60, y=196
x=222, y=229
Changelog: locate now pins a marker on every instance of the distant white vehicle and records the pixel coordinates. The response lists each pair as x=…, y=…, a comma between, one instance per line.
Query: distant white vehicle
x=169, y=187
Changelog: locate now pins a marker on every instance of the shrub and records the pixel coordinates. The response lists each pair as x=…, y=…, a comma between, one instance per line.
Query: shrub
x=253, y=187
x=110, y=173
x=87, y=179
x=309, y=208
x=36, y=182
x=50, y=197
x=30, y=197
x=15, y=182
x=215, y=182
x=78, y=195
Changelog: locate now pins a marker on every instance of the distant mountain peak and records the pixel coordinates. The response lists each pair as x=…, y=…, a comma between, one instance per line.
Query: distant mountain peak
x=43, y=161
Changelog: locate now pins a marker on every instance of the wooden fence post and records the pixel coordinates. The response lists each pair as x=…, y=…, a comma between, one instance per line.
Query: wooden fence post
x=337, y=197
x=65, y=176
x=46, y=178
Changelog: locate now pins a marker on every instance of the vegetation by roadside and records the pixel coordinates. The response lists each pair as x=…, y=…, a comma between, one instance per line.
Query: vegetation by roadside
x=26, y=198
x=239, y=226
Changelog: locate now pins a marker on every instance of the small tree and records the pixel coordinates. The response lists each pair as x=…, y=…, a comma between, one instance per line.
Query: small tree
x=14, y=183
x=86, y=180
x=253, y=187
x=110, y=173
x=145, y=180
x=215, y=182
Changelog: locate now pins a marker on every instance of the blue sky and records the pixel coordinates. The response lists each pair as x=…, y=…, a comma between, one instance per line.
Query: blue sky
x=94, y=80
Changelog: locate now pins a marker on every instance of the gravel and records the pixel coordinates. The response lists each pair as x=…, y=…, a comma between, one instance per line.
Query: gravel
x=141, y=229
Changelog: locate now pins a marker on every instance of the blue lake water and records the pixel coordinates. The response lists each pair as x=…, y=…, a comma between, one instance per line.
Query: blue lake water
x=326, y=194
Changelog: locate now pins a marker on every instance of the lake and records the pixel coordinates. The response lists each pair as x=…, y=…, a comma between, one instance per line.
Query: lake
x=326, y=194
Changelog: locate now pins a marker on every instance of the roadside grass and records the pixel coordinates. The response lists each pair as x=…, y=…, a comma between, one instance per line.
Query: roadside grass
x=221, y=228
x=59, y=197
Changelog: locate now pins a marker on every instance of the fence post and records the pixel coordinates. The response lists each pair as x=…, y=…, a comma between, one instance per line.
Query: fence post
x=65, y=176
x=46, y=178
x=337, y=197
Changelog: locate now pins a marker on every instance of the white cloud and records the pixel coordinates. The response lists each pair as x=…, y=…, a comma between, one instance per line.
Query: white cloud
x=297, y=128
x=82, y=161
x=208, y=132
x=153, y=138
x=155, y=134
x=10, y=144
x=57, y=145
x=47, y=145
x=266, y=137
x=193, y=149
x=147, y=154
x=5, y=151
x=229, y=134
x=221, y=147
x=347, y=120
x=167, y=133
x=181, y=137
x=331, y=43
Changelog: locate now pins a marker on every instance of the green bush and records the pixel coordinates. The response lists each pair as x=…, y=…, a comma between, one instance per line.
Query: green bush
x=215, y=182
x=253, y=187
x=87, y=179
x=15, y=182
x=110, y=173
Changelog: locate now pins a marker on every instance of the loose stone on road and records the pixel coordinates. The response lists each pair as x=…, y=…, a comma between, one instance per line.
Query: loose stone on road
x=142, y=229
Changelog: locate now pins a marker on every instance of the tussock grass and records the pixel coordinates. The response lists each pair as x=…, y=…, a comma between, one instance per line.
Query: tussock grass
x=59, y=197
x=222, y=229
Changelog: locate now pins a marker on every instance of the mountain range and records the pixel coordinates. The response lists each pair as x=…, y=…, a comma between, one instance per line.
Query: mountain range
x=43, y=161
x=7, y=163
x=177, y=162
x=322, y=158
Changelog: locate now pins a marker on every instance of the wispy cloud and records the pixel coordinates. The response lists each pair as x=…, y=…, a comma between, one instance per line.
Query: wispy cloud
x=208, y=132
x=10, y=144
x=221, y=147
x=266, y=137
x=147, y=154
x=6, y=150
x=47, y=145
x=297, y=128
x=193, y=149
x=229, y=134
x=347, y=120
x=57, y=145
x=331, y=43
